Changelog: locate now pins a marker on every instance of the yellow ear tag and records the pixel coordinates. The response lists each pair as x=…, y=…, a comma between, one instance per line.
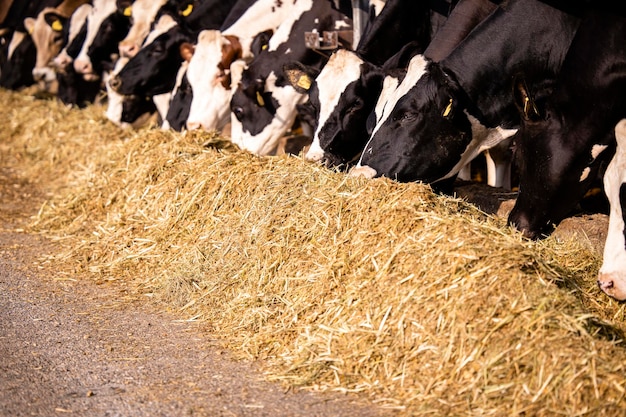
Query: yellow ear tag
x=57, y=26
x=187, y=11
x=304, y=82
x=128, y=11
x=264, y=47
x=259, y=99
x=30, y=31
x=448, y=109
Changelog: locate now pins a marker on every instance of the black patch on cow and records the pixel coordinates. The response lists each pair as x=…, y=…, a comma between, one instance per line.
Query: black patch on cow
x=153, y=70
x=18, y=71
x=180, y=104
x=112, y=31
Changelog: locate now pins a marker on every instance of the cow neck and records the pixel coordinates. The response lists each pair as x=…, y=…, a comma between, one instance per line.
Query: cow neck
x=501, y=47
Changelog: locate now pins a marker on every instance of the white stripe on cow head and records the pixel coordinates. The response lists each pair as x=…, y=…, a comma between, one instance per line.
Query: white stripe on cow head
x=163, y=25
x=343, y=68
x=612, y=274
x=76, y=23
x=209, y=108
x=143, y=14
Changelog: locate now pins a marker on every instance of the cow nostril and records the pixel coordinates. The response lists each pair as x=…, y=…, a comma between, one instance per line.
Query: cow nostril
x=193, y=125
x=115, y=83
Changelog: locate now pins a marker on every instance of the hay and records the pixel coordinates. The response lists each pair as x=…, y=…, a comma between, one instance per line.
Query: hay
x=419, y=301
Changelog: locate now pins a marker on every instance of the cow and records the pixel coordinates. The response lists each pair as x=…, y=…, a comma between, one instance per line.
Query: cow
x=16, y=71
x=345, y=102
x=107, y=24
x=73, y=89
x=458, y=107
x=263, y=107
x=208, y=70
x=566, y=139
x=46, y=30
x=612, y=274
x=180, y=101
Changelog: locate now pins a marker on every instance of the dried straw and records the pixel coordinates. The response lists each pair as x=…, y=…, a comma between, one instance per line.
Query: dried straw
x=421, y=302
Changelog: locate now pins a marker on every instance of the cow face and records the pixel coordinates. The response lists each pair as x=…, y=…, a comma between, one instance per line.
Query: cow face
x=107, y=24
x=47, y=32
x=211, y=83
x=153, y=70
x=408, y=142
x=76, y=34
x=556, y=164
x=612, y=274
x=343, y=95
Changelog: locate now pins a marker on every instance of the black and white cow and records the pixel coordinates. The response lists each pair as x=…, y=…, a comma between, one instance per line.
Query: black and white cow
x=208, y=72
x=564, y=145
x=107, y=24
x=612, y=274
x=143, y=14
x=264, y=106
x=444, y=114
x=47, y=31
x=347, y=89
x=73, y=89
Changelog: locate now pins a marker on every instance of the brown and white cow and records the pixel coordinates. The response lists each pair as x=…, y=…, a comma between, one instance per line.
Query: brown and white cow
x=47, y=33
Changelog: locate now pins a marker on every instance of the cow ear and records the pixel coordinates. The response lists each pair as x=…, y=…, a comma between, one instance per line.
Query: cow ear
x=299, y=76
x=448, y=111
x=29, y=24
x=55, y=21
x=524, y=101
x=186, y=51
x=261, y=42
x=125, y=7
x=185, y=8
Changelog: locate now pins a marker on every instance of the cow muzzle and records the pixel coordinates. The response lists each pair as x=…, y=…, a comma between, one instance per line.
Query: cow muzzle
x=612, y=284
x=115, y=83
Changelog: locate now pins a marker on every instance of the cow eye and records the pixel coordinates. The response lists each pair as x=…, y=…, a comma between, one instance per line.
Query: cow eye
x=157, y=49
x=238, y=111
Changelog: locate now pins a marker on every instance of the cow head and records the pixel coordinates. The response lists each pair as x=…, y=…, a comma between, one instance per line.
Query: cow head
x=182, y=94
x=556, y=161
x=76, y=34
x=48, y=33
x=153, y=70
x=107, y=24
x=612, y=274
x=342, y=96
x=209, y=74
x=423, y=131
x=17, y=71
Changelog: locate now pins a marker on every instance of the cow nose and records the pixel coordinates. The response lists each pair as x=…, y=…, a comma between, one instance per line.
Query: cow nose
x=115, y=83
x=521, y=222
x=611, y=285
x=38, y=76
x=191, y=125
x=82, y=67
x=128, y=51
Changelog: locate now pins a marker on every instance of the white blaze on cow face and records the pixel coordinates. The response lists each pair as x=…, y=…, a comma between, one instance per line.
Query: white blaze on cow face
x=209, y=107
x=266, y=142
x=612, y=274
x=163, y=25
x=342, y=69
x=16, y=39
x=115, y=100
x=100, y=11
x=389, y=96
x=143, y=14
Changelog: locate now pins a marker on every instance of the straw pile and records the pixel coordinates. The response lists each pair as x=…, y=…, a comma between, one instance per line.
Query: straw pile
x=421, y=302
